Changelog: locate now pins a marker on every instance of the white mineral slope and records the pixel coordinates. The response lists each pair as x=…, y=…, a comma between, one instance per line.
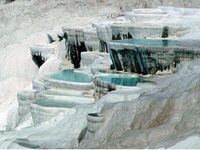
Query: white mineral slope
x=192, y=142
x=64, y=131
x=16, y=72
x=23, y=24
x=60, y=134
x=168, y=111
x=8, y=100
x=21, y=19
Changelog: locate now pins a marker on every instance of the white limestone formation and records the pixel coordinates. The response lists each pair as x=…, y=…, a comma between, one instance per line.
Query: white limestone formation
x=88, y=58
x=52, y=113
x=170, y=109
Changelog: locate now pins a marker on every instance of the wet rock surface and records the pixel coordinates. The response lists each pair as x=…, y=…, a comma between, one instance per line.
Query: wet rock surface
x=130, y=57
x=78, y=41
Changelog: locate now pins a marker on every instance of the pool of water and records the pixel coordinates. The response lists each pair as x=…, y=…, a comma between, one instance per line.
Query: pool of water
x=47, y=102
x=149, y=42
x=71, y=76
x=121, y=80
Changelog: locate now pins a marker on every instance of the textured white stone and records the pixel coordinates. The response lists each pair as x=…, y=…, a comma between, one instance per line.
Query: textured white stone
x=87, y=59
x=168, y=110
x=22, y=26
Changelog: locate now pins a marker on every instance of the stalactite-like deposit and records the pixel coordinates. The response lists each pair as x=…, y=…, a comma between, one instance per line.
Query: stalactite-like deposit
x=75, y=48
x=120, y=36
x=149, y=60
x=78, y=41
x=37, y=58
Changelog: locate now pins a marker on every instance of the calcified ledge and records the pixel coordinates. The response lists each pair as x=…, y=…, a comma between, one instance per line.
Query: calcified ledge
x=40, y=53
x=163, y=114
x=78, y=40
x=51, y=83
x=142, y=31
x=130, y=57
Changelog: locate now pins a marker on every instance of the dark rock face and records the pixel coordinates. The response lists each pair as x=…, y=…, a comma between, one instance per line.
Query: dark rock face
x=38, y=59
x=149, y=60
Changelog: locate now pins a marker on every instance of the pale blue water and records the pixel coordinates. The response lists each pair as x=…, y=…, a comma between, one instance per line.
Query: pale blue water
x=47, y=102
x=149, y=42
x=70, y=75
x=123, y=80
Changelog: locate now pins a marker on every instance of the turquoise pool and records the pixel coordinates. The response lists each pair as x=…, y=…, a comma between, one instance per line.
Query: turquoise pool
x=71, y=76
x=47, y=102
x=123, y=80
x=149, y=42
